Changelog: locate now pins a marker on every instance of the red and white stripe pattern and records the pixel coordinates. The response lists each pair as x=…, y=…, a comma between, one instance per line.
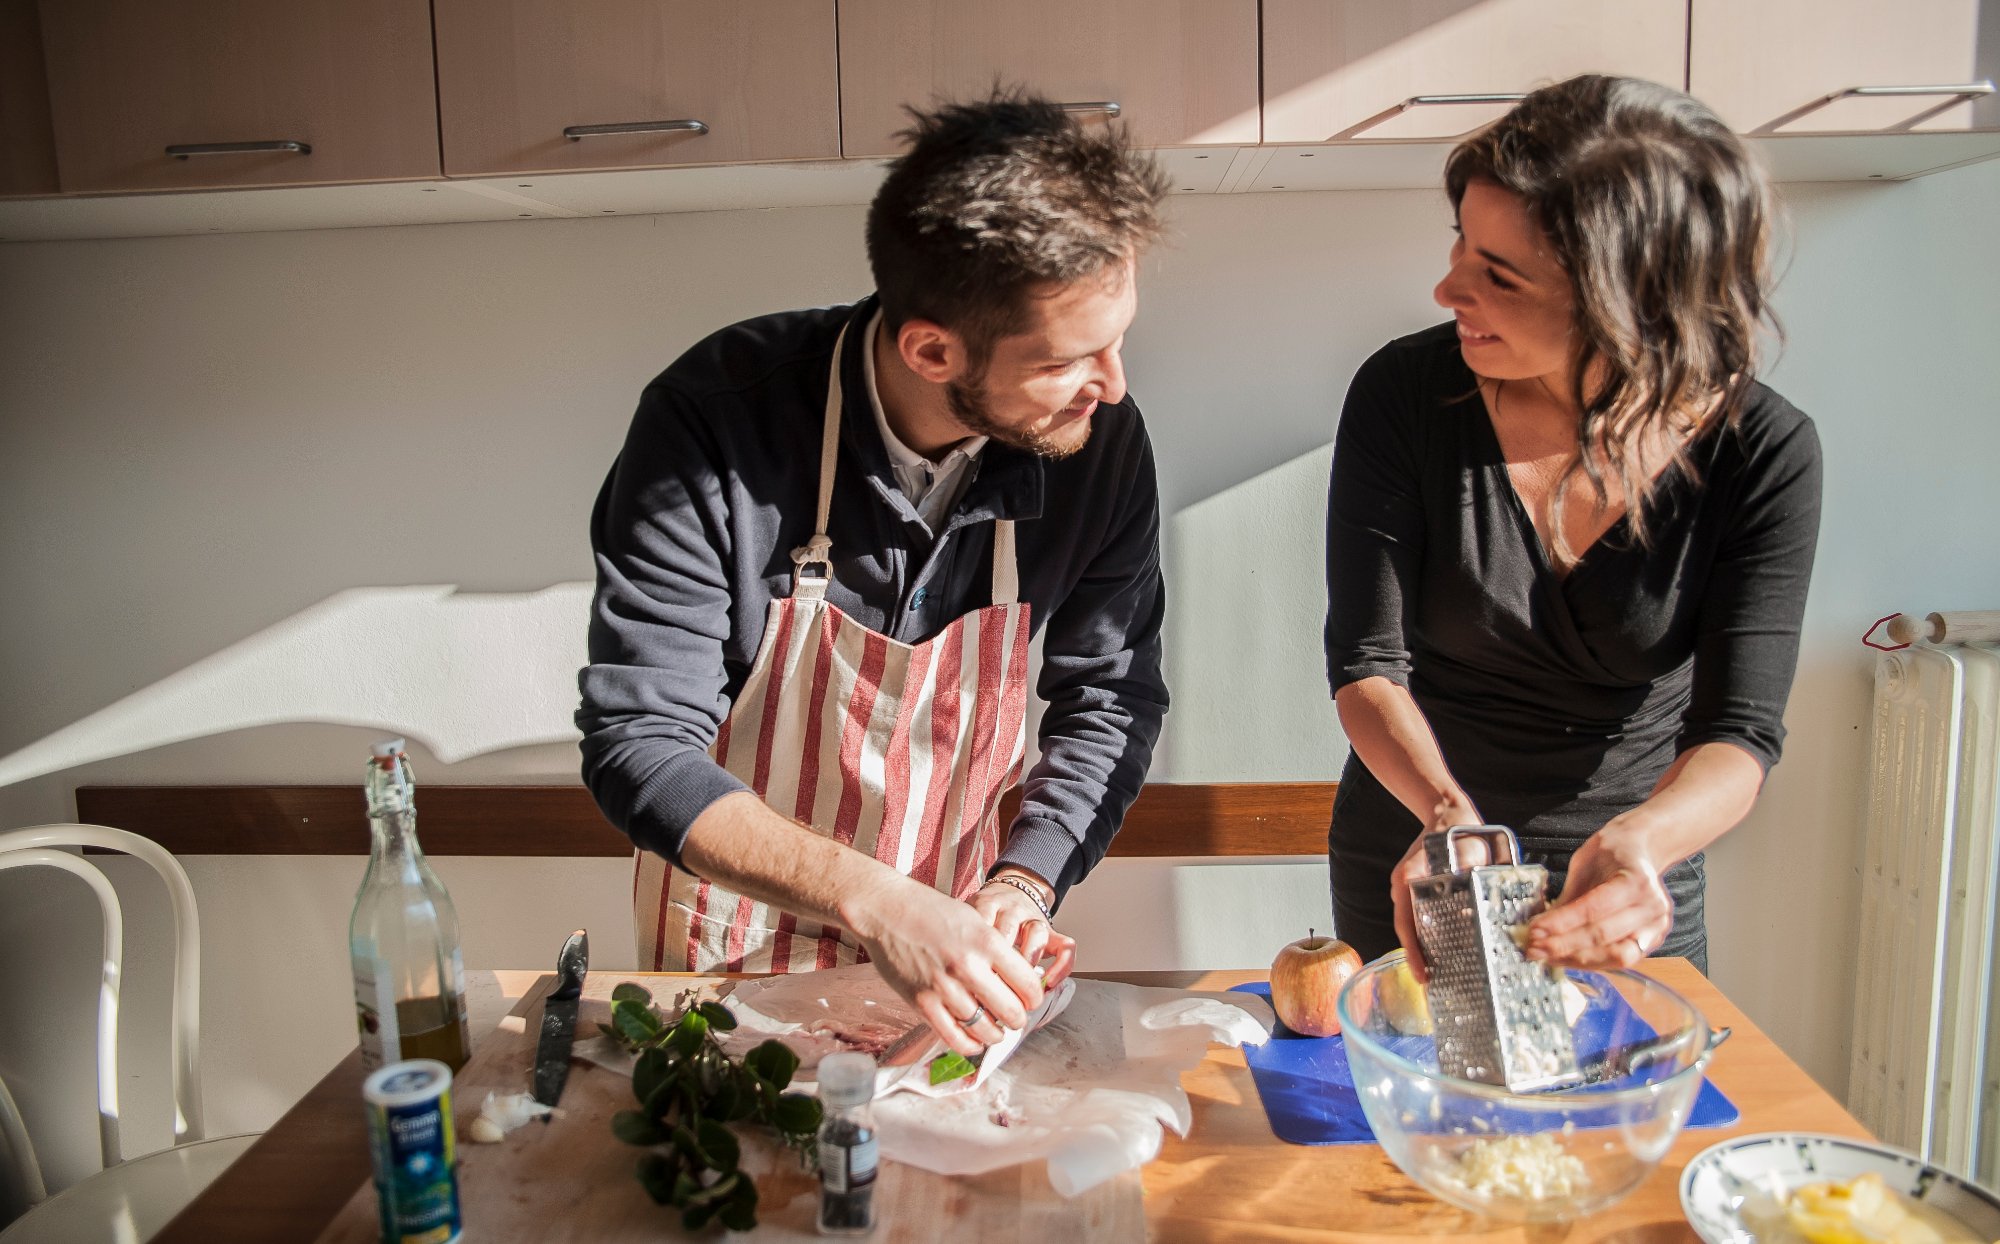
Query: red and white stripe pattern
x=896, y=750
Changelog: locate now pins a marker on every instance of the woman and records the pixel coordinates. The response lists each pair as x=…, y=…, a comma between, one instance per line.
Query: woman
x=1569, y=534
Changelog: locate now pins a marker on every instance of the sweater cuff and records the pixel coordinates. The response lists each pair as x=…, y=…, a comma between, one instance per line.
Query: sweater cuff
x=680, y=790
x=1045, y=849
x=1338, y=676
x=1766, y=755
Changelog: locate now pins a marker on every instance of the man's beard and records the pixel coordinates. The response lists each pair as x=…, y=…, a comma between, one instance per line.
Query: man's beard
x=968, y=406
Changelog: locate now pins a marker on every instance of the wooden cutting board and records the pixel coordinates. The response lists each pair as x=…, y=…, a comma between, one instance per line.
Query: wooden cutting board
x=570, y=1180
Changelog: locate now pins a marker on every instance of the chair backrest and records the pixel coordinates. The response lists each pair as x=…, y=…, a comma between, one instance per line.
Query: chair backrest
x=42, y=845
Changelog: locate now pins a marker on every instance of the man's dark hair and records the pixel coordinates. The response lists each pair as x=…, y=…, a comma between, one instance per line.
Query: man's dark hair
x=995, y=199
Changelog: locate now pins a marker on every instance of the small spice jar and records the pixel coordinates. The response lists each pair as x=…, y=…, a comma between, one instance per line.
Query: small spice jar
x=847, y=1146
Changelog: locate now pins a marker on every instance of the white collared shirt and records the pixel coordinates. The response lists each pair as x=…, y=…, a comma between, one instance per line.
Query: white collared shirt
x=932, y=487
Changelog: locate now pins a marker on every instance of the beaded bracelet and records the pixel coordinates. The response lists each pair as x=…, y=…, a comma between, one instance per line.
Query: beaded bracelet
x=1034, y=895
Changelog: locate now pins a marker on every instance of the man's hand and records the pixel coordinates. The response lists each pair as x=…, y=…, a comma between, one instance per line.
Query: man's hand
x=1614, y=911
x=1414, y=866
x=1017, y=919
x=946, y=958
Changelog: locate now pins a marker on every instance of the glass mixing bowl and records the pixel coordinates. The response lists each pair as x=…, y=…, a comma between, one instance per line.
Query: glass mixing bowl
x=1526, y=1157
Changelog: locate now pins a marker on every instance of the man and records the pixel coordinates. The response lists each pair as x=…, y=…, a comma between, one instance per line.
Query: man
x=820, y=557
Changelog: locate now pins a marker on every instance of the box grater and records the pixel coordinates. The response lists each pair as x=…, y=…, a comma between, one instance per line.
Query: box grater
x=1498, y=1015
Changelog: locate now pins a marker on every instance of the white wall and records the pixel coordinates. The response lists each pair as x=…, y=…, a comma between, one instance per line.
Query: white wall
x=201, y=438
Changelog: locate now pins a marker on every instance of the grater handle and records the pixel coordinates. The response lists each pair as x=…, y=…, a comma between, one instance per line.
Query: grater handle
x=1441, y=846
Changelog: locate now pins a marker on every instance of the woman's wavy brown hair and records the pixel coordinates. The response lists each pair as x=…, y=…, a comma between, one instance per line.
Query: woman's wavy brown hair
x=1663, y=222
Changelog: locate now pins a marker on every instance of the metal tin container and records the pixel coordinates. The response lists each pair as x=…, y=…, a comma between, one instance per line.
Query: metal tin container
x=416, y=1157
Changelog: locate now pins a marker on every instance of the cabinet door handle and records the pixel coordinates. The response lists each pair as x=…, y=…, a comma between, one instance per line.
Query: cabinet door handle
x=1094, y=108
x=689, y=126
x=1427, y=101
x=1957, y=94
x=182, y=151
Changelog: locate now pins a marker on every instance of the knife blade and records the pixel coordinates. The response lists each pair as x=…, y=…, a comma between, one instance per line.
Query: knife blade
x=559, y=1019
x=911, y=1046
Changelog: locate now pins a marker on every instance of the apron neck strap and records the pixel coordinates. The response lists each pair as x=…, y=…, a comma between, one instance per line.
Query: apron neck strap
x=813, y=561
x=818, y=552
x=1006, y=566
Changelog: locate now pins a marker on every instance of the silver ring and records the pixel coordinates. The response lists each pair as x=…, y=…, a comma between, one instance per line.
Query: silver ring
x=978, y=1013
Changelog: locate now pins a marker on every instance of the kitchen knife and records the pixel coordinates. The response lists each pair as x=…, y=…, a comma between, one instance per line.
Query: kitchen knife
x=559, y=1019
x=911, y=1046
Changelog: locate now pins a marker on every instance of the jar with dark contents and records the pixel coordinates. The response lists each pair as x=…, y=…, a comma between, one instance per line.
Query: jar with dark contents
x=847, y=1146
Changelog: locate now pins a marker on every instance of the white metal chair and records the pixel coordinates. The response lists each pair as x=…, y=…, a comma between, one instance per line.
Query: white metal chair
x=127, y=1201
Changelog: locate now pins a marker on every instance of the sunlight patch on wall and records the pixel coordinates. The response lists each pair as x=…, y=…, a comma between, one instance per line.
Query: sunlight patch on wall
x=462, y=673
x=1246, y=592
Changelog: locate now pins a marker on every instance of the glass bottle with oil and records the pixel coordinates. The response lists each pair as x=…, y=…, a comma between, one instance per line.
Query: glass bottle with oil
x=409, y=977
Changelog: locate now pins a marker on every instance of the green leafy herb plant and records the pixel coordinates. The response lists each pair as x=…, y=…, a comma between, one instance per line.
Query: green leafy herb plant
x=689, y=1091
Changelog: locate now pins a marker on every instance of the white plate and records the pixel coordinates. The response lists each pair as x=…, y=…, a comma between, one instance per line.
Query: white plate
x=1714, y=1185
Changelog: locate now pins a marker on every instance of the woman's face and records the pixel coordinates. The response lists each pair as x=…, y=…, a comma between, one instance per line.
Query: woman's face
x=1511, y=298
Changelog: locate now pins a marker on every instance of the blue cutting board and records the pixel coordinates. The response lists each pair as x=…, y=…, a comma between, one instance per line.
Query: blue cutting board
x=1308, y=1091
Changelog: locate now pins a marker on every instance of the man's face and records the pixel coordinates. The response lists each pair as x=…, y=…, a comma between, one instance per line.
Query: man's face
x=1041, y=386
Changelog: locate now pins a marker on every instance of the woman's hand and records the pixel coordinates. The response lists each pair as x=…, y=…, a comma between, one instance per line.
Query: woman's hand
x=1613, y=912
x=1415, y=866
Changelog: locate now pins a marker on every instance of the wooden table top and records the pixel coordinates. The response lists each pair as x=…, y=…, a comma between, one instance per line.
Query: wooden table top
x=1228, y=1179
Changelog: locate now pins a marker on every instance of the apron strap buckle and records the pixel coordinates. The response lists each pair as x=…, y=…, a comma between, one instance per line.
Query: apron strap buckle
x=817, y=551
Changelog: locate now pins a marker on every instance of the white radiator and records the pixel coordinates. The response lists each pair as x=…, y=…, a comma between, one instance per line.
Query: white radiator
x=1926, y=1066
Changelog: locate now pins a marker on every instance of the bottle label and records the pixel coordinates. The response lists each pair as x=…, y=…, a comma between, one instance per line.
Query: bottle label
x=375, y=1012
x=847, y=1168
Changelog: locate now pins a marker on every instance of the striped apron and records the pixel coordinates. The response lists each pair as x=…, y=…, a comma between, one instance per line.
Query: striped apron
x=899, y=751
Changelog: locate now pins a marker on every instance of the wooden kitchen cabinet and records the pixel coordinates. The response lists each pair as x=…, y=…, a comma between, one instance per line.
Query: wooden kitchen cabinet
x=1764, y=64
x=350, y=80
x=760, y=76
x=27, y=144
x=1339, y=69
x=1182, y=72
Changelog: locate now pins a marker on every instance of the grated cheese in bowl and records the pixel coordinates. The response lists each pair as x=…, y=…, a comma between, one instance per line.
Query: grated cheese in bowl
x=1529, y=1169
x=1524, y=1157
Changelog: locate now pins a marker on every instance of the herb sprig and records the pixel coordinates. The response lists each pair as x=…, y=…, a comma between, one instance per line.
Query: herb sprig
x=949, y=1066
x=688, y=1091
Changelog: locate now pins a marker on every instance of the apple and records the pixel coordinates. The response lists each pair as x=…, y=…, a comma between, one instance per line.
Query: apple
x=1306, y=978
x=1403, y=1001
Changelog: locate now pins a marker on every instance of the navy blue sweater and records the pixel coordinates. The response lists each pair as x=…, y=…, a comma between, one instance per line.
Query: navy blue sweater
x=715, y=486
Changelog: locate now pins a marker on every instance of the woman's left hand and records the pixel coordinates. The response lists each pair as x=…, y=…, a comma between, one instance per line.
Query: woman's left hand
x=1614, y=911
